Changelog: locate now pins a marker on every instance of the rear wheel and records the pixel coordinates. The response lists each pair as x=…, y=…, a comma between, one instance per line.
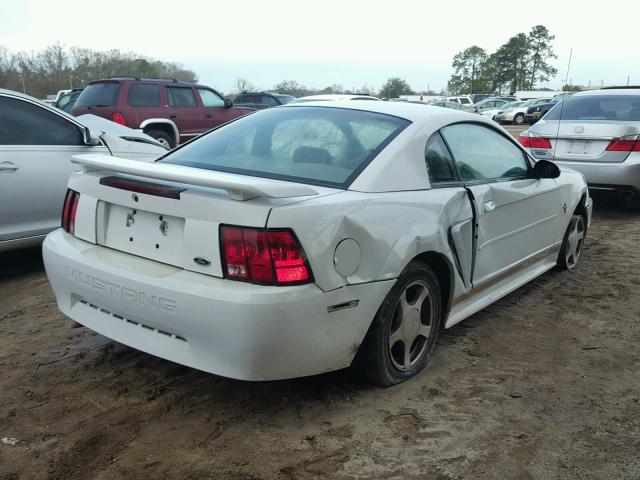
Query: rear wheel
x=404, y=331
x=573, y=243
x=518, y=119
x=162, y=137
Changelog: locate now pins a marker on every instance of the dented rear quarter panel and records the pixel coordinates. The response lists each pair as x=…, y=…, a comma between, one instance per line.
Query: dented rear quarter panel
x=391, y=228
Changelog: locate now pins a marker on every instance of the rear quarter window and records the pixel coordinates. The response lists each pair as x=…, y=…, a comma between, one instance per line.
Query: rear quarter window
x=141, y=95
x=101, y=94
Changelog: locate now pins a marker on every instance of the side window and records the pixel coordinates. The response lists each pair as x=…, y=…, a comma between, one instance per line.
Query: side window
x=439, y=162
x=141, y=95
x=23, y=123
x=483, y=154
x=267, y=100
x=181, y=97
x=210, y=98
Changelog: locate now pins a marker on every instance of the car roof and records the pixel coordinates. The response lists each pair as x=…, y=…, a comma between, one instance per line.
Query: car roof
x=410, y=111
x=162, y=81
x=337, y=97
x=609, y=91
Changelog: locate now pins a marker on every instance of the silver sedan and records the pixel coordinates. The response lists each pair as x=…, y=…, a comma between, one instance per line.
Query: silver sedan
x=596, y=133
x=36, y=145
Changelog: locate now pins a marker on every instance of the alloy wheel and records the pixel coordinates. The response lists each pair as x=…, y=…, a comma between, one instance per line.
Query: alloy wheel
x=411, y=325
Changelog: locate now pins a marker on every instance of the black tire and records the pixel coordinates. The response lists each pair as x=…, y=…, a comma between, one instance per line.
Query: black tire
x=571, y=249
x=379, y=357
x=518, y=119
x=162, y=137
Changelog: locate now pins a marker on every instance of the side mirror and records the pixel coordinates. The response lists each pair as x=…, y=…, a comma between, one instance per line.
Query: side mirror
x=228, y=103
x=546, y=169
x=89, y=137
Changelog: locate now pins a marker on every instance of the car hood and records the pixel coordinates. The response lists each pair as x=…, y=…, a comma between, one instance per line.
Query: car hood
x=123, y=141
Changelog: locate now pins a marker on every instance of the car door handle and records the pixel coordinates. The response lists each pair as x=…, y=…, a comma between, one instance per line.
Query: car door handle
x=489, y=206
x=8, y=166
x=207, y=116
x=172, y=116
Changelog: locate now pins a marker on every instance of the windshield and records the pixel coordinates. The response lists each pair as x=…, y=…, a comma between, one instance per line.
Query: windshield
x=102, y=94
x=625, y=108
x=316, y=145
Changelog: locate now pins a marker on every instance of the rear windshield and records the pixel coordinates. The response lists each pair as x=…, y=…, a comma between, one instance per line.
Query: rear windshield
x=621, y=108
x=102, y=94
x=315, y=145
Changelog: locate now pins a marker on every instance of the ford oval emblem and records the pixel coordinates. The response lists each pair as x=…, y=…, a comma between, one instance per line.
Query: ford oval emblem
x=202, y=261
x=579, y=129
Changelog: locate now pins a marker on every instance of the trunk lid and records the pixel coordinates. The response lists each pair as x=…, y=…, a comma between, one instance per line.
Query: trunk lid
x=583, y=141
x=157, y=213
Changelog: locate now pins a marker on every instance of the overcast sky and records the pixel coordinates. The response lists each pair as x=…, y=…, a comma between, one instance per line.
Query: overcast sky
x=351, y=43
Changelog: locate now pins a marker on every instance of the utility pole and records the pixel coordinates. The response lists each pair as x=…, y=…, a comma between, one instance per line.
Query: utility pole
x=24, y=87
x=568, y=67
x=628, y=77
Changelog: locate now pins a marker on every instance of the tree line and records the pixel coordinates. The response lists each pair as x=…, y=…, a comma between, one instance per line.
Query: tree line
x=57, y=67
x=519, y=64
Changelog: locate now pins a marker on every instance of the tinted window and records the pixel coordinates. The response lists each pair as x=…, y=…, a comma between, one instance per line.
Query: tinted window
x=210, y=98
x=324, y=146
x=23, y=123
x=181, y=97
x=284, y=99
x=141, y=95
x=439, y=163
x=483, y=154
x=598, y=107
x=268, y=100
x=103, y=94
x=465, y=101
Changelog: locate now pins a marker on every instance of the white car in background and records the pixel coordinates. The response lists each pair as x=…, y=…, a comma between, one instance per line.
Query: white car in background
x=36, y=145
x=309, y=237
x=492, y=112
x=515, y=112
x=334, y=97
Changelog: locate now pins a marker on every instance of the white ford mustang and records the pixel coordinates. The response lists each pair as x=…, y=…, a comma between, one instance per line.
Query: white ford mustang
x=310, y=237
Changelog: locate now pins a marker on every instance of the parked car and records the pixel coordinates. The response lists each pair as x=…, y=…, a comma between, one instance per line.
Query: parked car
x=478, y=97
x=68, y=100
x=172, y=112
x=492, y=112
x=439, y=102
x=515, y=112
x=490, y=104
x=596, y=133
x=310, y=237
x=334, y=97
x=461, y=100
x=536, y=112
x=261, y=100
x=36, y=145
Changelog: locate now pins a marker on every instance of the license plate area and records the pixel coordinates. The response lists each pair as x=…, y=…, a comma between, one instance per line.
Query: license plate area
x=579, y=147
x=146, y=234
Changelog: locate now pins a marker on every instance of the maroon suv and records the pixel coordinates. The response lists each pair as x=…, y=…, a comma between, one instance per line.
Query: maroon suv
x=170, y=111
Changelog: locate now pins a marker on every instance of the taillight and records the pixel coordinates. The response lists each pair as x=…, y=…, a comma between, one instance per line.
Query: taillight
x=534, y=142
x=119, y=118
x=273, y=257
x=624, y=144
x=69, y=211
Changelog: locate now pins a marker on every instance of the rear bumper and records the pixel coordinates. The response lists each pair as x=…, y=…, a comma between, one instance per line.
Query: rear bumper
x=233, y=329
x=621, y=176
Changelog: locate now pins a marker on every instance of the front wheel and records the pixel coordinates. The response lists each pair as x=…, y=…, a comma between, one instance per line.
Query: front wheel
x=572, y=243
x=404, y=331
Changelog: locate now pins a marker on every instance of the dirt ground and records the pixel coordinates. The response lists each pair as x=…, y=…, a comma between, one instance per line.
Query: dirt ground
x=544, y=384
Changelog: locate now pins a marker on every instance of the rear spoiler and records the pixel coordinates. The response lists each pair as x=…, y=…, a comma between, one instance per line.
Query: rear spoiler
x=240, y=187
